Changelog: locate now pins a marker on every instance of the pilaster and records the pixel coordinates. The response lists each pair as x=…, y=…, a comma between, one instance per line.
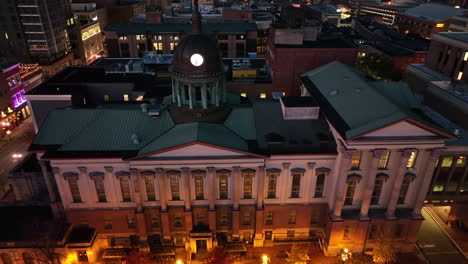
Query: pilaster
x=236, y=190
x=392, y=202
x=261, y=187
x=160, y=175
x=369, y=189
x=341, y=184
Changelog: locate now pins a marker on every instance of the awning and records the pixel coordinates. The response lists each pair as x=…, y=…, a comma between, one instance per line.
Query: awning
x=114, y=254
x=162, y=251
x=235, y=248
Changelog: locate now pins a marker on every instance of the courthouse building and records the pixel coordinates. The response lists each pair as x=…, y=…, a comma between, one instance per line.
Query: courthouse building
x=344, y=163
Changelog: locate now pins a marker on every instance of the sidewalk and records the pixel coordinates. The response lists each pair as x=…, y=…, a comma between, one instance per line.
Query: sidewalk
x=459, y=236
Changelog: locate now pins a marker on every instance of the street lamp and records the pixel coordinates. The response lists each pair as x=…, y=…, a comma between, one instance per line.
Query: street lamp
x=346, y=255
x=265, y=259
x=179, y=261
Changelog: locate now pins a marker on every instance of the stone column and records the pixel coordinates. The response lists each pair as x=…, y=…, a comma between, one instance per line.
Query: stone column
x=236, y=191
x=185, y=188
x=190, y=96
x=181, y=86
x=136, y=179
x=89, y=193
x=341, y=183
x=451, y=172
x=161, y=182
x=392, y=202
x=204, y=97
x=211, y=187
x=114, y=188
x=286, y=179
x=174, y=89
x=309, y=190
x=261, y=187
x=48, y=181
x=369, y=189
x=426, y=182
x=216, y=93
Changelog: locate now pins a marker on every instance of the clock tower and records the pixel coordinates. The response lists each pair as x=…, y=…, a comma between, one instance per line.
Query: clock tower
x=197, y=72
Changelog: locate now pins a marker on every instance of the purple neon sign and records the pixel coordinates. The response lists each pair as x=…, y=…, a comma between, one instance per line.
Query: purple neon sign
x=18, y=99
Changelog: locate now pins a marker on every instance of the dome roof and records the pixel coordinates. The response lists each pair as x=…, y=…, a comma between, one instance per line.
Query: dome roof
x=201, y=44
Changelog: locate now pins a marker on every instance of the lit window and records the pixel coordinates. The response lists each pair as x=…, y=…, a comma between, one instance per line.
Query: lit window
x=246, y=218
x=157, y=37
x=439, y=25
x=199, y=192
x=263, y=95
x=461, y=161
x=140, y=37
x=296, y=185
x=123, y=38
x=173, y=45
x=106, y=97
x=243, y=94
x=223, y=187
x=412, y=159
x=272, y=178
x=356, y=160
x=248, y=186
x=149, y=185
x=269, y=218
x=383, y=162
x=125, y=96
x=460, y=75
x=139, y=98
x=131, y=221
x=175, y=192
x=99, y=184
x=74, y=189
x=177, y=220
x=346, y=232
x=125, y=188
x=350, y=192
x=447, y=162
x=158, y=46
x=465, y=57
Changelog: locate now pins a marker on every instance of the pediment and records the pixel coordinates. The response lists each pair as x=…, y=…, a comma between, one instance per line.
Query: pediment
x=198, y=150
x=402, y=129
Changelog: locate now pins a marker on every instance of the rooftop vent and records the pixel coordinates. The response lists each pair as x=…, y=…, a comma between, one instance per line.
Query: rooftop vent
x=144, y=108
x=456, y=131
x=333, y=92
x=135, y=139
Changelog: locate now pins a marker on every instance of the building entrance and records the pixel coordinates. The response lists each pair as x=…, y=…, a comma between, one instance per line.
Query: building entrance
x=201, y=245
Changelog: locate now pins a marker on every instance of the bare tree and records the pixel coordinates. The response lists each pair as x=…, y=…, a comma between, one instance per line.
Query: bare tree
x=297, y=255
x=384, y=251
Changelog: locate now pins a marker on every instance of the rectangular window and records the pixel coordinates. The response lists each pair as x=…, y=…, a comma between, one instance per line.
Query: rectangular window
x=403, y=190
x=149, y=185
x=248, y=186
x=319, y=185
x=201, y=219
x=356, y=160
x=459, y=76
x=123, y=38
x=199, y=192
x=243, y=95
x=263, y=95
x=290, y=233
x=447, y=162
x=346, y=232
x=125, y=188
x=131, y=221
x=269, y=218
x=383, y=162
x=412, y=159
x=140, y=37
x=465, y=57
x=158, y=47
x=377, y=191
x=223, y=219
x=223, y=187
x=172, y=46
x=106, y=98
x=440, y=25
x=155, y=221
x=74, y=189
x=125, y=96
x=175, y=192
x=350, y=192
x=292, y=217
x=107, y=223
x=177, y=220
x=157, y=37
x=315, y=218
x=246, y=218
x=272, y=179
x=101, y=193
x=296, y=185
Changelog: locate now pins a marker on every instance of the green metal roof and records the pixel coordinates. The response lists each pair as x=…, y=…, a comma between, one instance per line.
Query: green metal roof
x=358, y=104
x=241, y=121
x=166, y=28
x=214, y=134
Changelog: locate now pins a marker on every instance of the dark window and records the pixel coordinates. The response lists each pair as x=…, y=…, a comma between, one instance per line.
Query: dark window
x=296, y=185
x=319, y=185
x=240, y=50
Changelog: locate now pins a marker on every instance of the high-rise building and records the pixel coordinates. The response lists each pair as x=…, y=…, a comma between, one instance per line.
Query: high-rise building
x=38, y=32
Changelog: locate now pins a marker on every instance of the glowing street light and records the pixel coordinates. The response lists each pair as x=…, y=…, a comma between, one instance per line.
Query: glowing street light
x=179, y=261
x=17, y=155
x=346, y=255
x=265, y=259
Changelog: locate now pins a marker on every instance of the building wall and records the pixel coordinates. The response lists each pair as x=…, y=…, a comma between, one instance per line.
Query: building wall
x=424, y=28
x=288, y=63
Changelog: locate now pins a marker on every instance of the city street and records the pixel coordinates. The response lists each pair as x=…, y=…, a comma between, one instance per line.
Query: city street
x=15, y=143
x=435, y=244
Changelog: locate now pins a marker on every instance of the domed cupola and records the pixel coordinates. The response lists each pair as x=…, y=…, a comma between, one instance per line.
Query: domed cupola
x=197, y=71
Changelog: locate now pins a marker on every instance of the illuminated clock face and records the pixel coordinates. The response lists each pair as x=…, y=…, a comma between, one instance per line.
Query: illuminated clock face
x=196, y=59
